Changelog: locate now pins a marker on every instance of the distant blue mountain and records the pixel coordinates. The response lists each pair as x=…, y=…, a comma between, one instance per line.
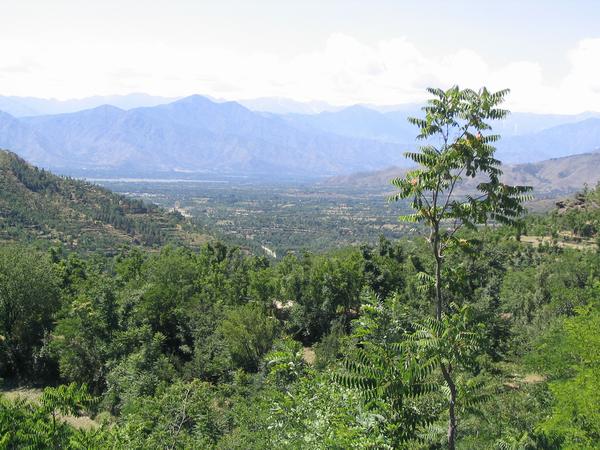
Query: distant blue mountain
x=526, y=137
x=279, y=105
x=191, y=134
x=554, y=142
x=196, y=134
x=392, y=125
x=361, y=122
x=32, y=106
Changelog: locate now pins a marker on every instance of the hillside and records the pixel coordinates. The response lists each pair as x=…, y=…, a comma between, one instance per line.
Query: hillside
x=559, y=175
x=37, y=205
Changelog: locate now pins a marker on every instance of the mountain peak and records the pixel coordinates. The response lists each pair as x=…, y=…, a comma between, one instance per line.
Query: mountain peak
x=194, y=99
x=201, y=102
x=6, y=116
x=359, y=109
x=105, y=109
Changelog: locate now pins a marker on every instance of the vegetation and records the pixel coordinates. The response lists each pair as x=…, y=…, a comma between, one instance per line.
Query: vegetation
x=39, y=207
x=456, y=119
x=276, y=219
x=213, y=347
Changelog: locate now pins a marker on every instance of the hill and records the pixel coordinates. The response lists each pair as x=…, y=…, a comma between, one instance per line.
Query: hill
x=552, y=176
x=37, y=205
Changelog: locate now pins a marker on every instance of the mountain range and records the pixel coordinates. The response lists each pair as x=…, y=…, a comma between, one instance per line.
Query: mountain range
x=522, y=132
x=33, y=106
x=193, y=134
x=201, y=136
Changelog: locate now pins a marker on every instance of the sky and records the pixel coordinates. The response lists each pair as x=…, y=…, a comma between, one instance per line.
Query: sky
x=342, y=52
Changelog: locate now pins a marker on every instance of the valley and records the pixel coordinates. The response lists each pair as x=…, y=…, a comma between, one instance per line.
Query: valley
x=284, y=217
x=274, y=218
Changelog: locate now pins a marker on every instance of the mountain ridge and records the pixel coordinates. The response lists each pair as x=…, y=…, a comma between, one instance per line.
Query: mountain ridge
x=198, y=135
x=193, y=133
x=557, y=175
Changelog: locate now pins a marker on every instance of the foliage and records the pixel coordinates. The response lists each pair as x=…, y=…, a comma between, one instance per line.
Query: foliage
x=211, y=347
x=575, y=418
x=29, y=297
x=248, y=333
x=182, y=415
x=389, y=380
x=41, y=425
x=285, y=364
x=453, y=127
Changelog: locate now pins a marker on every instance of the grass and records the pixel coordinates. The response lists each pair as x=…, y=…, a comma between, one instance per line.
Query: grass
x=583, y=244
x=33, y=395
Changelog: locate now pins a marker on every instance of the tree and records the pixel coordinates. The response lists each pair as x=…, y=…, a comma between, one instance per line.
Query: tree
x=387, y=374
x=570, y=355
x=29, y=298
x=456, y=149
x=82, y=341
x=249, y=334
x=180, y=415
x=390, y=380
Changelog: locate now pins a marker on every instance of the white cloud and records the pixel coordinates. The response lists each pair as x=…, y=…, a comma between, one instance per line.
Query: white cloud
x=581, y=87
x=342, y=71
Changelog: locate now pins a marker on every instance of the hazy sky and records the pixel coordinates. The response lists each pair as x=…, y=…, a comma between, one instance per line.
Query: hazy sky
x=342, y=52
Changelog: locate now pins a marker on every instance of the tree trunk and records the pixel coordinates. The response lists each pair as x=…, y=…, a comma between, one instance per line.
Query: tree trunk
x=438, y=288
x=435, y=244
x=447, y=372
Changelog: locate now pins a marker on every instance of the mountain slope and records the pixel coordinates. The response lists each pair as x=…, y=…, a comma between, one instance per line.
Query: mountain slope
x=37, y=205
x=22, y=137
x=525, y=137
x=281, y=105
x=558, y=175
x=554, y=142
x=360, y=122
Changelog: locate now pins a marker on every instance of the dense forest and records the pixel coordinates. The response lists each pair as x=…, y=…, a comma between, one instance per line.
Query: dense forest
x=372, y=346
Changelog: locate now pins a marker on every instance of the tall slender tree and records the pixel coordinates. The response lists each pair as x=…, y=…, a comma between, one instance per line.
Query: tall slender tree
x=458, y=146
